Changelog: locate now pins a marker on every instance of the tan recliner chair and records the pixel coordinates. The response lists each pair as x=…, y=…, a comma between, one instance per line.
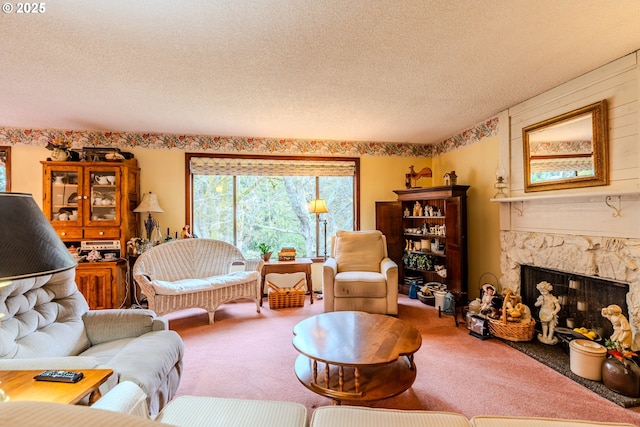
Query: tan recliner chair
x=359, y=275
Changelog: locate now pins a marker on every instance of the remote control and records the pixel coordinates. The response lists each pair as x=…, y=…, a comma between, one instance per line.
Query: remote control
x=59, y=376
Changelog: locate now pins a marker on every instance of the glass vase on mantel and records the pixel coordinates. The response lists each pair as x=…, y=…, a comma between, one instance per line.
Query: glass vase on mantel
x=621, y=376
x=59, y=155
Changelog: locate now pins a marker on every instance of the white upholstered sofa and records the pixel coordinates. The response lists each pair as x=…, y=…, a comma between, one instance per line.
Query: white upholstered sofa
x=47, y=324
x=197, y=273
x=121, y=408
x=359, y=275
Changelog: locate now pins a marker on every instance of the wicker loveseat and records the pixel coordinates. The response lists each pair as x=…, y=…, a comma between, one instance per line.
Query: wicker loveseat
x=196, y=273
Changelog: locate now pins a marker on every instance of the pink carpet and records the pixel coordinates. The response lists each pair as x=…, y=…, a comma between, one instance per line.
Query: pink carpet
x=250, y=355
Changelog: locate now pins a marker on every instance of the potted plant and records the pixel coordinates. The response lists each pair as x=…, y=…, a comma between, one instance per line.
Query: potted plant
x=265, y=250
x=620, y=371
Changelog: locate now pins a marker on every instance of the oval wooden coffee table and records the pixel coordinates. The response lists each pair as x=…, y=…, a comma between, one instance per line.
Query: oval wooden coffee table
x=355, y=356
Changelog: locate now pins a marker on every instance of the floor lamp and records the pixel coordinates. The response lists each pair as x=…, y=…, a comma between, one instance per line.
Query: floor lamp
x=319, y=206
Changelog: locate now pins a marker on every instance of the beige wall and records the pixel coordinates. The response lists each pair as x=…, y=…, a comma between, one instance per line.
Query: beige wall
x=379, y=176
x=163, y=173
x=475, y=165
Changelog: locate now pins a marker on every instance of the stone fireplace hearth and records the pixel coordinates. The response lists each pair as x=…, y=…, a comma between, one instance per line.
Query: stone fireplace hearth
x=616, y=259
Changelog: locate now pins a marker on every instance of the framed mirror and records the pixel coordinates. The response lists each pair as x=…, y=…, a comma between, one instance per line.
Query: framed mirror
x=5, y=168
x=567, y=151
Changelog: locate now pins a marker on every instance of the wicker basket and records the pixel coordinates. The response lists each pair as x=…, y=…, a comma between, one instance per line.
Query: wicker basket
x=286, y=297
x=426, y=299
x=511, y=331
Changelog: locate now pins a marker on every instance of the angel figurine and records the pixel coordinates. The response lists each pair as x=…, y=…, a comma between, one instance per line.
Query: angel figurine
x=621, y=327
x=549, y=308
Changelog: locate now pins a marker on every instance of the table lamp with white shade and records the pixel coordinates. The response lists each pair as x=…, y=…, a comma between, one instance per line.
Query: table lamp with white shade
x=149, y=204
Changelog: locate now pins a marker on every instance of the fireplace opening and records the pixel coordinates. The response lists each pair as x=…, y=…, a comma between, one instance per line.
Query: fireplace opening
x=581, y=297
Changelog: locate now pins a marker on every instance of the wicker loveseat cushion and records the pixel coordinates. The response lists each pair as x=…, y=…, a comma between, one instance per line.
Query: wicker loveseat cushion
x=164, y=287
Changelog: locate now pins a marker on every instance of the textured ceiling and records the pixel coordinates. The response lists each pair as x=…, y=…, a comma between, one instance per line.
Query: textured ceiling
x=364, y=70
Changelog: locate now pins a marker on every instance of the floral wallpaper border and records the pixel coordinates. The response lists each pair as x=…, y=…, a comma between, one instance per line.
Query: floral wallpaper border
x=233, y=144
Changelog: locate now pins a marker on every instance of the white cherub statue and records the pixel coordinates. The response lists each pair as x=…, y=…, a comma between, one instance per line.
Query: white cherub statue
x=621, y=327
x=549, y=308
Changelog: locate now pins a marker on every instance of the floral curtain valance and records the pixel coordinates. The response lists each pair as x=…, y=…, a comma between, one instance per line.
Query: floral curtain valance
x=267, y=167
x=562, y=164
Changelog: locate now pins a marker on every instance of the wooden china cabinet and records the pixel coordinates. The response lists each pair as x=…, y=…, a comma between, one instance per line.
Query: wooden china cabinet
x=426, y=230
x=94, y=201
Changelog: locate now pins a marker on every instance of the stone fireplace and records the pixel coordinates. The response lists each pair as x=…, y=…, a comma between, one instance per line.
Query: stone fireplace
x=615, y=259
x=581, y=297
x=575, y=229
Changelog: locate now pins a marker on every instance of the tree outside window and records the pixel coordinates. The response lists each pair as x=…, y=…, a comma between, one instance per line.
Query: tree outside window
x=247, y=210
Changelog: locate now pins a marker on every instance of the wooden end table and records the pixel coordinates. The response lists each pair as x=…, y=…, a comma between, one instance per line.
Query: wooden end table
x=20, y=386
x=299, y=265
x=355, y=356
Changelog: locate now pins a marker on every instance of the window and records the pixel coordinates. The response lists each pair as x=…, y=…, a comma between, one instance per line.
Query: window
x=5, y=168
x=249, y=200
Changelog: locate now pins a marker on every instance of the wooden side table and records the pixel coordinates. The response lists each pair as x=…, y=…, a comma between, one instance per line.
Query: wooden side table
x=299, y=265
x=20, y=385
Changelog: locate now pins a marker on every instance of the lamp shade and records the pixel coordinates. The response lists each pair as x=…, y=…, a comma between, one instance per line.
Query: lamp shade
x=29, y=246
x=318, y=206
x=149, y=203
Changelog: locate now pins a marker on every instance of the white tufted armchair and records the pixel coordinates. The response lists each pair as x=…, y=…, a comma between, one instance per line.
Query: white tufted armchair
x=48, y=325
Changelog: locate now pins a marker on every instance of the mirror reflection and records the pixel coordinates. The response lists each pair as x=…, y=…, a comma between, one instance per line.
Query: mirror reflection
x=567, y=151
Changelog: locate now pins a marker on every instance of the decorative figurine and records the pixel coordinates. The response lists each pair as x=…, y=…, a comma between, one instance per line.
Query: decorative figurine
x=424, y=173
x=549, y=308
x=94, y=255
x=441, y=271
x=525, y=312
x=185, y=232
x=516, y=310
x=450, y=178
x=621, y=327
x=488, y=292
x=417, y=209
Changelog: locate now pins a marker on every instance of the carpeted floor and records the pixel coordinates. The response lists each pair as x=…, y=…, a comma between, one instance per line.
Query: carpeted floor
x=250, y=355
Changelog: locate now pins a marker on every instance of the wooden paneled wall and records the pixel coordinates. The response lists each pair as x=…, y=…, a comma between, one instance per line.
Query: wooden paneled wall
x=582, y=211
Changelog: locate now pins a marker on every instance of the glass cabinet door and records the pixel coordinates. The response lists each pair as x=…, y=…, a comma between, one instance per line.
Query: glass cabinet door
x=66, y=205
x=103, y=186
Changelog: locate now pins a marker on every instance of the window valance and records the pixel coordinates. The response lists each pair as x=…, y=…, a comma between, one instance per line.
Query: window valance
x=268, y=167
x=562, y=164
